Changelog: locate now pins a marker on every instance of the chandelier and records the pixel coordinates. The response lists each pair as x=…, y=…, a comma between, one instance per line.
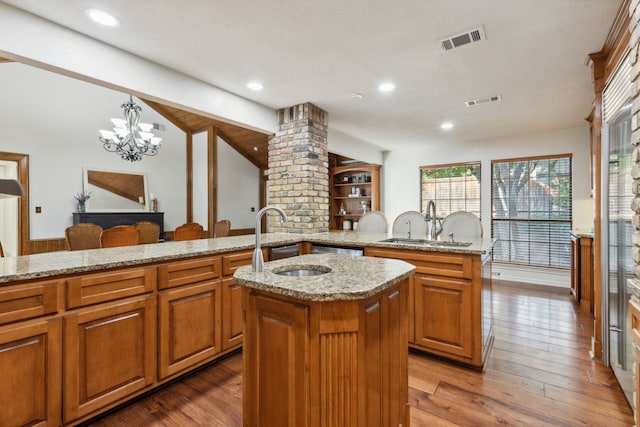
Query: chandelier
x=130, y=139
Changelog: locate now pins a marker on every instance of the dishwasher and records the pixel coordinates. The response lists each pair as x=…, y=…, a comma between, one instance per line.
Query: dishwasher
x=280, y=252
x=325, y=249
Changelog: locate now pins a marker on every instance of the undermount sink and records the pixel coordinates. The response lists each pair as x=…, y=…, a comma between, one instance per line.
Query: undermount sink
x=426, y=242
x=301, y=271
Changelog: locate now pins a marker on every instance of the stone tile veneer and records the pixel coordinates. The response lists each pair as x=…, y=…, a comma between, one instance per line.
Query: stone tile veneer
x=299, y=170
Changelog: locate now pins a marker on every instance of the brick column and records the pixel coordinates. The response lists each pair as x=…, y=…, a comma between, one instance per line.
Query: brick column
x=299, y=170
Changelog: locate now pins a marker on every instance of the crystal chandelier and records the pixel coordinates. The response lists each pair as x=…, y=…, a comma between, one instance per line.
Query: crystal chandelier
x=130, y=138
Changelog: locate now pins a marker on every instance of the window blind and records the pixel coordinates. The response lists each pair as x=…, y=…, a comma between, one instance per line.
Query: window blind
x=617, y=90
x=531, y=211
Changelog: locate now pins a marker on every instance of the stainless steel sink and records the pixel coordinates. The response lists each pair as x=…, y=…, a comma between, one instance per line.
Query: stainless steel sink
x=301, y=271
x=425, y=242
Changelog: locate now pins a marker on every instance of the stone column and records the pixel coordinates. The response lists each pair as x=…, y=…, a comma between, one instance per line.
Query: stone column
x=299, y=170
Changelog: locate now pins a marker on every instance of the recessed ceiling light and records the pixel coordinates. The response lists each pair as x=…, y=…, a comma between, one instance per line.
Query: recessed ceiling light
x=101, y=17
x=257, y=86
x=386, y=87
x=446, y=126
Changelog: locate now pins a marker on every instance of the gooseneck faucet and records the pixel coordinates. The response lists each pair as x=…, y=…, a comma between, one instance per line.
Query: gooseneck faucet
x=257, y=262
x=436, y=228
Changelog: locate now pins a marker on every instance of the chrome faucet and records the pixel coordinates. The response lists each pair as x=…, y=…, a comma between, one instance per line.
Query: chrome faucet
x=409, y=232
x=436, y=227
x=257, y=262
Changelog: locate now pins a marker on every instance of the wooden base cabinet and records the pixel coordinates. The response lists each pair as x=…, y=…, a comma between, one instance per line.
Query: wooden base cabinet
x=189, y=327
x=443, y=318
x=31, y=366
x=341, y=363
x=109, y=354
x=450, y=306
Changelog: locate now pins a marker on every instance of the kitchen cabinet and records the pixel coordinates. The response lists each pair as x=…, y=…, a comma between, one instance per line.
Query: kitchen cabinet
x=450, y=306
x=31, y=366
x=233, y=320
x=109, y=354
x=582, y=280
x=189, y=313
x=31, y=354
x=354, y=188
x=331, y=362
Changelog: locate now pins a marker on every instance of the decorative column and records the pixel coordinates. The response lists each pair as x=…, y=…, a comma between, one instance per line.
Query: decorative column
x=299, y=170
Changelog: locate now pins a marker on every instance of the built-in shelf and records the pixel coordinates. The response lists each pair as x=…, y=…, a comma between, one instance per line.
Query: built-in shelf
x=345, y=179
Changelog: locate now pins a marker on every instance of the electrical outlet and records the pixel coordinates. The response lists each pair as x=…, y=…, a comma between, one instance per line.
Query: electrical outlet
x=253, y=209
x=495, y=273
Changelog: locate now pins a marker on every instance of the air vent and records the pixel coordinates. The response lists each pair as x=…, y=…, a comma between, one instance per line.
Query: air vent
x=468, y=37
x=486, y=100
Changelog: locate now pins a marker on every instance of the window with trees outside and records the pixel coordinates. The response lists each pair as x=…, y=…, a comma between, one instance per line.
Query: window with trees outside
x=453, y=187
x=531, y=211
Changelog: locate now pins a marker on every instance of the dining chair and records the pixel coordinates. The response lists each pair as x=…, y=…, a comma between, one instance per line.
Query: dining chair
x=149, y=231
x=82, y=236
x=465, y=226
x=221, y=228
x=373, y=222
x=120, y=235
x=417, y=226
x=188, y=231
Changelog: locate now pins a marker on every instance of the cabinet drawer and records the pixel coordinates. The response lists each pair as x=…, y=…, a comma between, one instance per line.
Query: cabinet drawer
x=190, y=271
x=231, y=262
x=101, y=287
x=431, y=263
x=27, y=301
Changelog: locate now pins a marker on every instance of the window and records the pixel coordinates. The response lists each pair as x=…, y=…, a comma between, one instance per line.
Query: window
x=531, y=211
x=453, y=188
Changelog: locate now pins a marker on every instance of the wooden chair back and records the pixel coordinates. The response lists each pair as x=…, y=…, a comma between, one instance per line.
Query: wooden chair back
x=82, y=236
x=120, y=235
x=221, y=228
x=149, y=231
x=1, y=251
x=188, y=231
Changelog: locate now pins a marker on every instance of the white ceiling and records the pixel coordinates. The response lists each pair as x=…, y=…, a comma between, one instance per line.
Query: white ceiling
x=325, y=51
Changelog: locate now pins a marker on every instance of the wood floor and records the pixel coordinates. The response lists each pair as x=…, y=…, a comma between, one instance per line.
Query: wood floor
x=539, y=374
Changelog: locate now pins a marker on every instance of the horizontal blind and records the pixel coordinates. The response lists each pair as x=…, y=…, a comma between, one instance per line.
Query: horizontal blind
x=531, y=211
x=617, y=91
x=453, y=188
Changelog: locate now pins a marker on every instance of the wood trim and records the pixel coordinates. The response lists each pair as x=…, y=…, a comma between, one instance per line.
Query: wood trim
x=189, y=177
x=212, y=175
x=518, y=159
x=617, y=43
x=447, y=165
x=23, y=207
x=40, y=246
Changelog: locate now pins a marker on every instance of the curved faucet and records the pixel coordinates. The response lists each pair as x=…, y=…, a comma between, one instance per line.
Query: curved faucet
x=430, y=216
x=257, y=262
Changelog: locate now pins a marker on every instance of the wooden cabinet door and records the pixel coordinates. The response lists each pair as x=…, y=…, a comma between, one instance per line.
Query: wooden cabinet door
x=31, y=366
x=443, y=314
x=109, y=353
x=189, y=329
x=232, y=317
x=280, y=378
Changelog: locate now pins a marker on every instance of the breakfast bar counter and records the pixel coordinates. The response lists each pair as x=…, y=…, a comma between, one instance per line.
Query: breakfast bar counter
x=327, y=346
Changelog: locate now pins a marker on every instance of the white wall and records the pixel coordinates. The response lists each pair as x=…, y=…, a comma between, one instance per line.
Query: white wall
x=238, y=187
x=348, y=146
x=401, y=190
x=55, y=120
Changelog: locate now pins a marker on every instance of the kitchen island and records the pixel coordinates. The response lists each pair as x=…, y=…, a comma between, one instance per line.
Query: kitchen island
x=103, y=326
x=330, y=346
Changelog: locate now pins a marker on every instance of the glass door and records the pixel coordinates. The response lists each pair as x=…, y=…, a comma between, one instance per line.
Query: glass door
x=617, y=215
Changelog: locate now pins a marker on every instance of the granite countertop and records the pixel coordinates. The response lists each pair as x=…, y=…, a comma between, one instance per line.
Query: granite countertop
x=71, y=262
x=349, y=277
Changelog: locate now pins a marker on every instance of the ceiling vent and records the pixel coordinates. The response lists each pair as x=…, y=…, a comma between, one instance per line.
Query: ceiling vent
x=468, y=37
x=486, y=100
